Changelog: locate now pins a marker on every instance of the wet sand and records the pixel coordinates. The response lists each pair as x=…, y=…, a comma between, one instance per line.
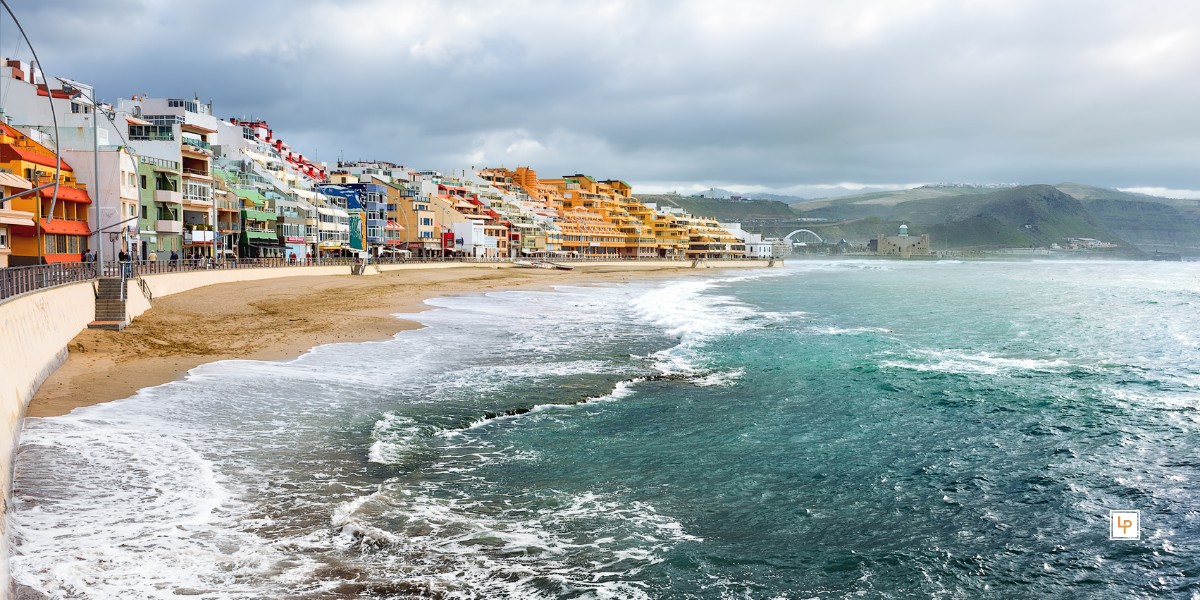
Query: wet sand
x=277, y=319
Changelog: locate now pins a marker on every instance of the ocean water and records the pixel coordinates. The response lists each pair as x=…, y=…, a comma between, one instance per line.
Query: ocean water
x=832, y=429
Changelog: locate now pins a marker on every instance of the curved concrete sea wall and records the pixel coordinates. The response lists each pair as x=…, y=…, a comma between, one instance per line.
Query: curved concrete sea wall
x=34, y=332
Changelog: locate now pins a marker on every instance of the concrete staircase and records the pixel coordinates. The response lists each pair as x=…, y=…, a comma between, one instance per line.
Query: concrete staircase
x=110, y=305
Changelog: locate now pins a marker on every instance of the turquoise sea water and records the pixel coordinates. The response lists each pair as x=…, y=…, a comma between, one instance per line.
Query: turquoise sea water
x=833, y=429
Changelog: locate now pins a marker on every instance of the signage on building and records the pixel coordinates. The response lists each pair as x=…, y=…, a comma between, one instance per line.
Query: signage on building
x=358, y=235
x=448, y=241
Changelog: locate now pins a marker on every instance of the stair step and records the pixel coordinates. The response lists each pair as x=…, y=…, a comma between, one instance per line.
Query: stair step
x=108, y=324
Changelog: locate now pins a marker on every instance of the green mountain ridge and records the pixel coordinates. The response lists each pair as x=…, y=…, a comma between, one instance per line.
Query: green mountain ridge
x=724, y=210
x=1024, y=216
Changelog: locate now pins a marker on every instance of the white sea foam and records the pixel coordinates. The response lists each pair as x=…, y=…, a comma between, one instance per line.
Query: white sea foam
x=689, y=311
x=504, y=550
x=141, y=516
x=720, y=378
x=849, y=330
x=966, y=363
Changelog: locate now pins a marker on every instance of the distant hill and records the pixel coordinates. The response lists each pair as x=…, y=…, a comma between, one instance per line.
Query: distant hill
x=1018, y=216
x=1148, y=222
x=1026, y=216
x=724, y=210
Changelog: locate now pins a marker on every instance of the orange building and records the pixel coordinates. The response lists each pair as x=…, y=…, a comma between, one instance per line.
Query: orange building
x=60, y=232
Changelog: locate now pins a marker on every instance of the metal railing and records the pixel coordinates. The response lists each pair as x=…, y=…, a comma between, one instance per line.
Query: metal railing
x=15, y=281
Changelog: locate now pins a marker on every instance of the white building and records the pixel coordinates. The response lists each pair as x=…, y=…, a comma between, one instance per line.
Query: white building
x=470, y=237
x=756, y=247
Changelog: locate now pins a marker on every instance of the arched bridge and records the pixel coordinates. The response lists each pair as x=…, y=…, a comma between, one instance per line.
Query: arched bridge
x=790, y=236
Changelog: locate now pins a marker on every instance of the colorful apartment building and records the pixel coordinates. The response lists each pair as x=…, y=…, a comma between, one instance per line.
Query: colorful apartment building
x=180, y=131
x=60, y=231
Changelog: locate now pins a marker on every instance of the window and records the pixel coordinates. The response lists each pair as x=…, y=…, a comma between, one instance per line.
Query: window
x=3, y=238
x=187, y=105
x=145, y=211
x=155, y=133
x=164, y=119
x=196, y=191
x=63, y=244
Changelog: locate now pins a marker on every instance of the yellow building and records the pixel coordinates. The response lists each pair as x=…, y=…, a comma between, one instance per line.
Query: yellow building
x=707, y=239
x=604, y=219
x=11, y=184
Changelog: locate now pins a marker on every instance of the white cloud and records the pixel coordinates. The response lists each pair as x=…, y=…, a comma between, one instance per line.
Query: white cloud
x=1163, y=192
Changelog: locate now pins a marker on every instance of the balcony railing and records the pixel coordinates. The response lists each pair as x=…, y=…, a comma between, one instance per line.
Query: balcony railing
x=198, y=172
x=199, y=145
x=159, y=162
x=168, y=226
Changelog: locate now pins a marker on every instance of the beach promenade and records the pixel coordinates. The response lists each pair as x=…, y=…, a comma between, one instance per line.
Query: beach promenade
x=56, y=364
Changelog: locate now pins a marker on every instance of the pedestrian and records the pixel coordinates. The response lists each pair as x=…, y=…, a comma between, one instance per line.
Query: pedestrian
x=174, y=259
x=123, y=258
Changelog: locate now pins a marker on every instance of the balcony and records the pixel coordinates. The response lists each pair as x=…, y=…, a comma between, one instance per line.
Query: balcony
x=259, y=235
x=250, y=214
x=197, y=173
x=168, y=226
x=159, y=162
x=197, y=237
x=197, y=201
x=196, y=146
x=168, y=196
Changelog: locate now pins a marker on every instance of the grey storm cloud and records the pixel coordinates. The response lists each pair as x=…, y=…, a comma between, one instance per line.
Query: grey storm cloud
x=672, y=95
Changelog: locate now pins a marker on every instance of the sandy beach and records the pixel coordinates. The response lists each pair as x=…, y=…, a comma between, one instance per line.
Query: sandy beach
x=276, y=319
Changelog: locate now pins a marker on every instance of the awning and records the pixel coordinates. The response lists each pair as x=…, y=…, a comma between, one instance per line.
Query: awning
x=393, y=226
x=253, y=196
x=66, y=193
x=65, y=227
x=15, y=181
x=307, y=195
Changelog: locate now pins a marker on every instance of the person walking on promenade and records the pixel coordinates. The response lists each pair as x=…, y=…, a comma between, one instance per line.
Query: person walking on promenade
x=123, y=258
x=174, y=260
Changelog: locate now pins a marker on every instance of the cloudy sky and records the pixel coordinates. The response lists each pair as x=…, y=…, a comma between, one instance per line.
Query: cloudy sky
x=784, y=96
